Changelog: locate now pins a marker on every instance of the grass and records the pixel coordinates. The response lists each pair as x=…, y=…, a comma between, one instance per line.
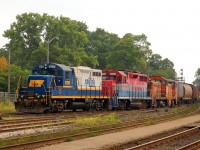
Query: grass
x=7, y=107
x=91, y=121
x=10, y=118
x=68, y=139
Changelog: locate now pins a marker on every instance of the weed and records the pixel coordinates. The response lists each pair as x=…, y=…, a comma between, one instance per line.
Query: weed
x=68, y=139
x=7, y=107
x=91, y=121
x=10, y=118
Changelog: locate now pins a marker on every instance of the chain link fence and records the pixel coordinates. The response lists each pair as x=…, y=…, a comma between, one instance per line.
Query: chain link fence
x=4, y=96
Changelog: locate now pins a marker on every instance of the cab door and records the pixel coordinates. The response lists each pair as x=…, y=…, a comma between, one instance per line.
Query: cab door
x=67, y=78
x=59, y=78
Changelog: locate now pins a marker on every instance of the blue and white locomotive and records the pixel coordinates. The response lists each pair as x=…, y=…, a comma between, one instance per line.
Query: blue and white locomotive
x=55, y=87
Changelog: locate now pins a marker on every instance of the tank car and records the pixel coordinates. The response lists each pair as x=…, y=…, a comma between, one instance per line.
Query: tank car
x=187, y=93
x=180, y=93
x=195, y=93
x=190, y=93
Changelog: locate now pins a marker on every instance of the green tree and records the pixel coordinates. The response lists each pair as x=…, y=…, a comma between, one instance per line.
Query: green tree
x=100, y=45
x=30, y=33
x=3, y=73
x=167, y=64
x=154, y=61
x=196, y=82
x=15, y=73
x=21, y=34
x=161, y=67
x=129, y=53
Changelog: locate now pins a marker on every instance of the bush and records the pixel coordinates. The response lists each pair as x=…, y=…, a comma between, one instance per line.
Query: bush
x=6, y=107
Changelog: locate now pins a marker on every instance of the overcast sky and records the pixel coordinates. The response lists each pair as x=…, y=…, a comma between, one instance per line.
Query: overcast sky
x=172, y=26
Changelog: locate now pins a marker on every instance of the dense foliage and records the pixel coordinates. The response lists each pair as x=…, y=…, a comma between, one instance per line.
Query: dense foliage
x=31, y=34
x=15, y=73
x=196, y=82
x=161, y=67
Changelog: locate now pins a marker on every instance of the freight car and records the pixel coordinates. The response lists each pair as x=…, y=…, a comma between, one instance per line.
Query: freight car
x=190, y=93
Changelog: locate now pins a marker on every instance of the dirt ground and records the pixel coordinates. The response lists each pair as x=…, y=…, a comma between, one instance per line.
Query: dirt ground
x=105, y=141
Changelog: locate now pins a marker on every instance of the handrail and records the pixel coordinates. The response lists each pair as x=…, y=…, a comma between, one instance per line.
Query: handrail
x=18, y=86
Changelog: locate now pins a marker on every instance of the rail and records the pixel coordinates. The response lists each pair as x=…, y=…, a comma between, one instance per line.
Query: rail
x=191, y=146
x=165, y=139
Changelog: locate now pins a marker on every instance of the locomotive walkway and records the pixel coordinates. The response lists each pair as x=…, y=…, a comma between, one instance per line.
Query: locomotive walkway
x=105, y=141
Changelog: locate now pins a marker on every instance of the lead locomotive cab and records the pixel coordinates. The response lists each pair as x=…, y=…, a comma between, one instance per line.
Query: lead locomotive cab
x=36, y=95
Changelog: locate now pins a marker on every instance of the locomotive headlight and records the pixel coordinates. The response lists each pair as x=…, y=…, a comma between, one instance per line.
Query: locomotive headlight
x=37, y=95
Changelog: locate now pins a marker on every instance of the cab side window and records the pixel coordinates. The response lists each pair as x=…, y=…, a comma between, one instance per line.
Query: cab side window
x=67, y=75
x=35, y=72
x=59, y=73
x=119, y=79
x=67, y=80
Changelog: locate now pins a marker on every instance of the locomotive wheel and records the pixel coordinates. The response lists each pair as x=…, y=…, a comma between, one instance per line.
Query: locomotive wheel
x=172, y=104
x=109, y=107
x=127, y=105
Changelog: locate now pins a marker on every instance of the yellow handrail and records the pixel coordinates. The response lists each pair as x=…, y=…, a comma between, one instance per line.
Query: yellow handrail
x=18, y=86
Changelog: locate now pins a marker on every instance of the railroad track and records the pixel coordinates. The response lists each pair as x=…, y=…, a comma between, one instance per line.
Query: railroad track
x=32, y=123
x=166, y=139
x=85, y=132
x=38, y=123
x=51, y=117
x=191, y=146
x=89, y=131
x=41, y=124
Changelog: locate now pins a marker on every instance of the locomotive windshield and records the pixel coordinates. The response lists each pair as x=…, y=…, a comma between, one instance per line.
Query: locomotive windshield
x=44, y=72
x=104, y=77
x=111, y=77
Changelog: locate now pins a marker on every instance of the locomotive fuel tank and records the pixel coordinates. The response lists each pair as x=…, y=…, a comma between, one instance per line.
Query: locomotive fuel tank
x=78, y=105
